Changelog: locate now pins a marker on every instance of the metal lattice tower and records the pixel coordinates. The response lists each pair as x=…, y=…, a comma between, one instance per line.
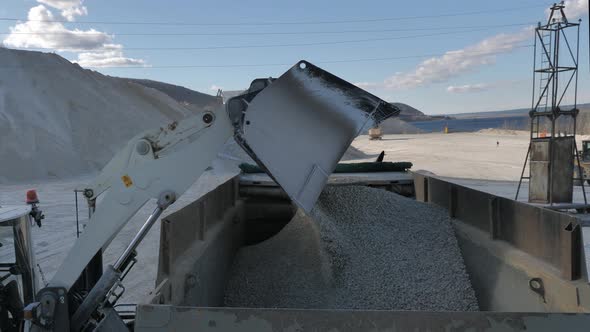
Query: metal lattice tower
x=551, y=124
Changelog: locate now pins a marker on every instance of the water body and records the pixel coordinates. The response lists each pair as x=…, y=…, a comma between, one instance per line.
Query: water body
x=467, y=125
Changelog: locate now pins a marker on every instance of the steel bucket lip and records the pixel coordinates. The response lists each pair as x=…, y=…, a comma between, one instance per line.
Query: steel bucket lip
x=378, y=109
x=314, y=101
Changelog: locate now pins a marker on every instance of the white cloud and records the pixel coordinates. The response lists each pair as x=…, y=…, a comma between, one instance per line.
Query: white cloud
x=69, y=8
x=38, y=33
x=366, y=85
x=71, y=13
x=468, y=88
x=574, y=9
x=479, y=87
x=457, y=62
x=96, y=48
x=110, y=56
x=215, y=87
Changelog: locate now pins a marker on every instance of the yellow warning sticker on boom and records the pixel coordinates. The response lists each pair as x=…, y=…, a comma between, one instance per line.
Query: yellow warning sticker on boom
x=127, y=180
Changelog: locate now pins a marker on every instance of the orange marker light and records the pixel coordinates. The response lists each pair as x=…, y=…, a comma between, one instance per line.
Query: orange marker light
x=32, y=197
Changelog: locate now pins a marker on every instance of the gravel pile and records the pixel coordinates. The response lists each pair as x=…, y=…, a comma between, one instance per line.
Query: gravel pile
x=362, y=248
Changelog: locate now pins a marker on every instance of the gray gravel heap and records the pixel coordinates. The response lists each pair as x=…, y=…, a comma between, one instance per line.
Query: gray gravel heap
x=362, y=248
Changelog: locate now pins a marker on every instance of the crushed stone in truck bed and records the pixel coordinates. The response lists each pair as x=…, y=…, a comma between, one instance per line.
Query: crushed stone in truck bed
x=363, y=248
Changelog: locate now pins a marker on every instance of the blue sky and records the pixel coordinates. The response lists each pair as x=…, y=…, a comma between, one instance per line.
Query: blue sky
x=493, y=71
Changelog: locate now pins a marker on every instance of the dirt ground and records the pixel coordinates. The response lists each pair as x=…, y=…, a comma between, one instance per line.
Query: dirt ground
x=490, y=154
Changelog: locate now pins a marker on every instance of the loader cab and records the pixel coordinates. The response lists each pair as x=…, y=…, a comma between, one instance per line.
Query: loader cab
x=18, y=279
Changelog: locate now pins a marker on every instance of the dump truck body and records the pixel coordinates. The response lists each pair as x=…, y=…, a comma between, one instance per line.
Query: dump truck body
x=526, y=264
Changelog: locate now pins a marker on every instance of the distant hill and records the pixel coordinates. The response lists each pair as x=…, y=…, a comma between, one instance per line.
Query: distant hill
x=399, y=124
x=409, y=114
x=492, y=114
x=187, y=97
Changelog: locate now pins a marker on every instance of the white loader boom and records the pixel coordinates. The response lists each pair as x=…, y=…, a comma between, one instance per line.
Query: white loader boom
x=166, y=160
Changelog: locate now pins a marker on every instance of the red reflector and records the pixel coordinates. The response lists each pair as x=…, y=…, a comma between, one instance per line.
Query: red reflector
x=32, y=197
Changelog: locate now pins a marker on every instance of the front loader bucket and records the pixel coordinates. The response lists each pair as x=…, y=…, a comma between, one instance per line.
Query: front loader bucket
x=297, y=127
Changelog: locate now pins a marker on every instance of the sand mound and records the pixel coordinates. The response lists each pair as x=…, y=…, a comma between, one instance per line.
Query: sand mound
x=364, y=249
x=191, y=99
x=58, y=120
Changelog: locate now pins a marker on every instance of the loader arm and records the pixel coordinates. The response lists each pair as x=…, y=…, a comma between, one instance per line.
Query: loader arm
x=167, y=159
